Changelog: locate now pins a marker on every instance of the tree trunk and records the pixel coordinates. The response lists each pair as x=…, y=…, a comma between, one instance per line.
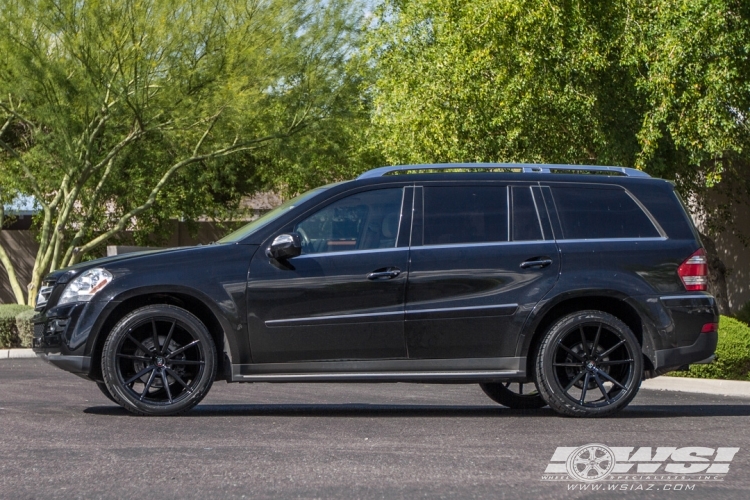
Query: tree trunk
x=717, y=275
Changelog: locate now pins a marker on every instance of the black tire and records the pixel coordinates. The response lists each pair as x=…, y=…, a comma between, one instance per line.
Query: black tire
x=103, y=387
x=589, y=364
x=526, y=398
x=159, y=360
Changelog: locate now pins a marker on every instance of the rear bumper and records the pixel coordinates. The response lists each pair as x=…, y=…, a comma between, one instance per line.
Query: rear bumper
x=700, y=351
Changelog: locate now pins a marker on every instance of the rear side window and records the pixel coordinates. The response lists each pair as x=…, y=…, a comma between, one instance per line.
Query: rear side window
x=597, y=212
x=526, y=225
x=465, y=214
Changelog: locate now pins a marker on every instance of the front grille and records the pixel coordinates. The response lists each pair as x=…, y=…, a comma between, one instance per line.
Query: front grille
x=44, y=292
x=38, y=330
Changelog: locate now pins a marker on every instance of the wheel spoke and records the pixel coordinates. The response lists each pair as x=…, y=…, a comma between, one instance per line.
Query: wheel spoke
x=139, y=374
x=601, y=387
x=520, y=389
x=185, y=362
x=566, y=348
x=583, y=338
x=155, y=335
x=615, y=362
x=608, y=351
x=133, y=356
x=596, y=340
x=179, y=379
x=585, y=388
x=148, y=384
x=576, y=379
x=169, y=338
x=606, y=375
x=166, y=385
x=567, y=365
x=182, y=349
x=138, y=343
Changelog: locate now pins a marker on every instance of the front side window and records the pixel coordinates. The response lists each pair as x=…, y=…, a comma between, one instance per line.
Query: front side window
x=597, y=212
x=465, y=214
x=362, y=221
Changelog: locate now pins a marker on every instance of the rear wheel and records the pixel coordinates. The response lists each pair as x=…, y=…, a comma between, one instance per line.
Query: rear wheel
x=516, y=395
x=159, y=360
x=589, y=365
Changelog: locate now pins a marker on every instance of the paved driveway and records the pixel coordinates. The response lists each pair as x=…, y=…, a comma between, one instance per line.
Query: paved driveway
x=60, y=438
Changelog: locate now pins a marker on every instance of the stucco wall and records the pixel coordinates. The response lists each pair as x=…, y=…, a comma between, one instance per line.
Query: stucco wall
x=736, y=257
x=21, y=249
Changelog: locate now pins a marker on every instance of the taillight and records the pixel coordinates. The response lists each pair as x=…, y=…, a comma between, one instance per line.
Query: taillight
x=694, y=271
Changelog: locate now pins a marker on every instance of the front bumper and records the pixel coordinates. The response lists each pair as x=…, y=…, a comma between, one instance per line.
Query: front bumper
x=80, y=365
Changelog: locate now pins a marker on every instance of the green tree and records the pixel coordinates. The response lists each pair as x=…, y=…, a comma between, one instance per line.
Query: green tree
x=120, y=114
x=660, y=85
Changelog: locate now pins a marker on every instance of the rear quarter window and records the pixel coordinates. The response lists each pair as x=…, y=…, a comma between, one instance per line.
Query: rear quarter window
x=600, y=212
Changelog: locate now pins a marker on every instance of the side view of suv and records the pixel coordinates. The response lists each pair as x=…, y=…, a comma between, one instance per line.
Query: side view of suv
x=549, y=285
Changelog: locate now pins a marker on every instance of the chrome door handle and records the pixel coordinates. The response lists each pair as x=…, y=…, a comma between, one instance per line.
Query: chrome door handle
x=384, y=274
x=536, y=262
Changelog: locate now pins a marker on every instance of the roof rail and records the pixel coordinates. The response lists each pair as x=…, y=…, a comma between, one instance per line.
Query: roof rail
x=505, y=167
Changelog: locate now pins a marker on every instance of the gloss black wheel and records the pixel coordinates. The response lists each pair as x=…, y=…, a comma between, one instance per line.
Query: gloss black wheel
x=159, y=360
x=103, y=388
x=589, y=365
x=516, y=395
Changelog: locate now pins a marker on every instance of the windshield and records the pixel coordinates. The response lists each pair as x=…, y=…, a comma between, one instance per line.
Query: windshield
x=271, y=216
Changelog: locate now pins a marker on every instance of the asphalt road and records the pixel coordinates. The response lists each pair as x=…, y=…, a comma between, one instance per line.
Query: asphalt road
x=60, y=438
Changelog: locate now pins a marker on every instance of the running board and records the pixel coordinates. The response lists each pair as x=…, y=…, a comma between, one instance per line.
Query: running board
x=457, y=376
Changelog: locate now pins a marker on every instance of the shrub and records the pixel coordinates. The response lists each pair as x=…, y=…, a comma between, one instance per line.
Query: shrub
x=732, y=354
x=8, y=328
x=25, y=327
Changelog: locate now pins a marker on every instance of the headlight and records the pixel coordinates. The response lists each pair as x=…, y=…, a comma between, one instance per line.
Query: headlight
x=84, y=287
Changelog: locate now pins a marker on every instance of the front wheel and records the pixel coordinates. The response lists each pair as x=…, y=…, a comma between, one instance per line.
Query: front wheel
x=159, y=360
x=589, y=365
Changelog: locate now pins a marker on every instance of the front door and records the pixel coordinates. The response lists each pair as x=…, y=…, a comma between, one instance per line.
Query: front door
x=480, y=261
x=343, y=297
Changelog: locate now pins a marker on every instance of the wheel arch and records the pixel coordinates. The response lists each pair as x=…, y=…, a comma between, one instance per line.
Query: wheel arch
x=609, y=301
x=190, y=300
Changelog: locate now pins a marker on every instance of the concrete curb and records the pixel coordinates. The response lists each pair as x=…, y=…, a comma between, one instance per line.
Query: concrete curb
x=736, y=388
x=17, y=354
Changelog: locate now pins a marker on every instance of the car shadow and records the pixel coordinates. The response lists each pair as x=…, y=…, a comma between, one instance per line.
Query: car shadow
x=405, y=410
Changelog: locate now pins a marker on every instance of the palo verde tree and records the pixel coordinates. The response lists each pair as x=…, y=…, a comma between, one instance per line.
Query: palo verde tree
x=119, y=114
x=660, y=85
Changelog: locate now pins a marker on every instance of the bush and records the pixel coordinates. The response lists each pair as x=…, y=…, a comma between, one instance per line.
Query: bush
x=25, y=327
x=8, y=328
x=732, y=354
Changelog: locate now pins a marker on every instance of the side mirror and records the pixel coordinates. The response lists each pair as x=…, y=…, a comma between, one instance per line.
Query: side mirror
x=285, y=246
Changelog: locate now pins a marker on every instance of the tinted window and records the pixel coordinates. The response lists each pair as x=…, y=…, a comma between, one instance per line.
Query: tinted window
x=587, y=213
x=526, y=224
x=465, y=214
x=361, y=221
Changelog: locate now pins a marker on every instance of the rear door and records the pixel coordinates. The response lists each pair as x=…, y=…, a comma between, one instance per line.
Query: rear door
x=481, y=258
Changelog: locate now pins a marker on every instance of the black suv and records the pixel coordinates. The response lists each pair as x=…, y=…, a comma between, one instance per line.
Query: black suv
x=546, y=284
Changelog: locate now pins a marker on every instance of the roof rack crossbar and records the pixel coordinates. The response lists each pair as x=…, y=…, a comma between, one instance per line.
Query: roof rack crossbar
x=526, y=168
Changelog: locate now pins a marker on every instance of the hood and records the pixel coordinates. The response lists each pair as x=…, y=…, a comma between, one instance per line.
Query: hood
x=66, y=274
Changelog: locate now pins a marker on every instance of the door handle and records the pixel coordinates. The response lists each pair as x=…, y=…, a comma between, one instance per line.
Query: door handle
x=536, y=262
x=386, y=273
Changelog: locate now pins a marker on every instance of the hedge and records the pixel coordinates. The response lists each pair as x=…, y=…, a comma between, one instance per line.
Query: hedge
x=732, y=354
x=9, y=330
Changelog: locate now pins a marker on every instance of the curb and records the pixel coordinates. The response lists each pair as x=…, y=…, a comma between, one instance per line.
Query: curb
x=736, y=388
x=17, y=354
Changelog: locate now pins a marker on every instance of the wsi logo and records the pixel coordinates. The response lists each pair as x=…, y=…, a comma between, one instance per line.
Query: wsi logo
x=597, y=462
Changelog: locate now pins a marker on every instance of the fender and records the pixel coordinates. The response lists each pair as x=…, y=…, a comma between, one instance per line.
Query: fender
x=233, y=341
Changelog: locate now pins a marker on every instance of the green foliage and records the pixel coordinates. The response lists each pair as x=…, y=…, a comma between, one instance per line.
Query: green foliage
x=732, y=354
x=25, y=327
x=660, y=85
x=9, y=332
x=124, y=114
x=744, y=313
